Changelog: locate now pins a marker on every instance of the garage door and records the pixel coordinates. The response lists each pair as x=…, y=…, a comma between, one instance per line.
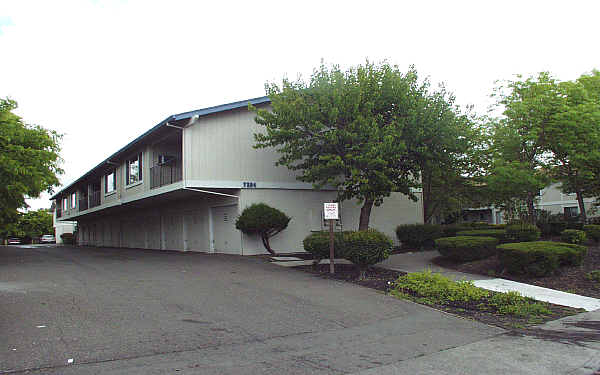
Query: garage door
x=226, y=239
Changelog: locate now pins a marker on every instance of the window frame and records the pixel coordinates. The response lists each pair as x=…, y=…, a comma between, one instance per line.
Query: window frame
x=140, y=176
x=73, y=200
x=113, y=172
x=65, y=204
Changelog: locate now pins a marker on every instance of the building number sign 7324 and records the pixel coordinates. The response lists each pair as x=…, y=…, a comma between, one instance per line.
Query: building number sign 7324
x=249, y=184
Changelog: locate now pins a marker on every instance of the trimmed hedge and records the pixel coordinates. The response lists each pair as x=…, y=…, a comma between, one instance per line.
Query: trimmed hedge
x=466, y=248
x=419, y=236
x=318, y=245
x=539, y=258
x=522, y=233
x=365, y=248
x=593, y=232
x=573, y=236
x=500, y=234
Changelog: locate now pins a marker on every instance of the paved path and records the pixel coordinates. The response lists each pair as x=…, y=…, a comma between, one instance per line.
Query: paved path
x=134, y=312
x=421, y=261
x=125, y=311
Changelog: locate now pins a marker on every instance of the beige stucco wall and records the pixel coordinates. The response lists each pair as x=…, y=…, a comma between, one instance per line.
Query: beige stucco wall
x=305, y=207
x=219, y=148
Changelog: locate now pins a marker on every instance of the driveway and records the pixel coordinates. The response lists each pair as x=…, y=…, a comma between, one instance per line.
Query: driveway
x=71, y=310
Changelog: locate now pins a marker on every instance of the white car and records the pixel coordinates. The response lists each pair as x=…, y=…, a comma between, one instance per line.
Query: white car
x=47, y=238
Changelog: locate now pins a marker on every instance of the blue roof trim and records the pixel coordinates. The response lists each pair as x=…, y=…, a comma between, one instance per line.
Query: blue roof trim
x=180, y=116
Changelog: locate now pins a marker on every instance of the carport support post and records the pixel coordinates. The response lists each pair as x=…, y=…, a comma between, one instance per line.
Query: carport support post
x=331, y=251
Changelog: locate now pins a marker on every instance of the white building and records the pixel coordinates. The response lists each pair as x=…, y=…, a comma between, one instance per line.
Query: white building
x=182, y=184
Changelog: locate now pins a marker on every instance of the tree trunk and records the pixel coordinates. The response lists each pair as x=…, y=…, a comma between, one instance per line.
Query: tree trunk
x=365, y=214
x=531, y=208
x=265, y=241
x=582, y=212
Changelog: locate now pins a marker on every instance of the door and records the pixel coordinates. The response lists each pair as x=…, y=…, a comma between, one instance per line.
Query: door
x=195, y=229
x=226, y=239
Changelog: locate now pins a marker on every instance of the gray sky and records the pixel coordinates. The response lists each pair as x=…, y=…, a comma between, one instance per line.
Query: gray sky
x=103, y=72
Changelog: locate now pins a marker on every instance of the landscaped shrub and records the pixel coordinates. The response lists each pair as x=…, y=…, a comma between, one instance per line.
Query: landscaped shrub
x=68, y=238
x=539, y=258
x=593, y=232
x=418, y=236
x=263, y=220
x=365, y=248
x=513, y=303
x=574, y=224
x=466, y=248
x=318, y=245
x=573, y=236
x=451, y=229
x=433, y=288
x=500, y=234
x=522, y=233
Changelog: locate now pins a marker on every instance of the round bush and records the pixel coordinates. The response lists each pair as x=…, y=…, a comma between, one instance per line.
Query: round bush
x=318, y=245
x=593, y=232
x=418, y=236
x=500, y=234
x=573, y=236
x=522, y=233
x=366, y=247
x=539, y=258
x=466, y=248
x=264, y=220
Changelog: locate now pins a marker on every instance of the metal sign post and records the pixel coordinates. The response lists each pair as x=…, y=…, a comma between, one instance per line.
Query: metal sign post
x=331, y=213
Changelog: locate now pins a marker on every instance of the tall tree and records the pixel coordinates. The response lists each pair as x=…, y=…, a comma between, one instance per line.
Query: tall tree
x=346, y=129
x=442, y=142
x=29, y=157
x=573, y=139
x=519, y=139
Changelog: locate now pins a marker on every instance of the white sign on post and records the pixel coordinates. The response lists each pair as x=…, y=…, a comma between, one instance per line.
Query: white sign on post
x=330, y=211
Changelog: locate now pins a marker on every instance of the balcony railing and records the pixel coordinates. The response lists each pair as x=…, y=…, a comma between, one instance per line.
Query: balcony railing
x=94, y=199
x=83, y=204
x=164, y=174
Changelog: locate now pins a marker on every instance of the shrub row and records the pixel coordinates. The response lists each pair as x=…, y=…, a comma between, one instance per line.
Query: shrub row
x=522, y=233
x=466, y=248
x=422, y=236
x=500, y=234
x=573, y=236
x=539, y=258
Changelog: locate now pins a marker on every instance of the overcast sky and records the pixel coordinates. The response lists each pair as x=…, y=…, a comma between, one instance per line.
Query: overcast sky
x=103, y=72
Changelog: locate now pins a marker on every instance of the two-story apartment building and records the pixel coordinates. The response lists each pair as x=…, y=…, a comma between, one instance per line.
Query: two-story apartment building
x=182, y=184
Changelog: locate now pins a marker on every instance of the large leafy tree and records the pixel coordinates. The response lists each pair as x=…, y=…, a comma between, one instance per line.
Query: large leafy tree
x=519, y=149
x=33, y=224
x=346, y=129
x=573, y=138
x=29, y=158
x=443, y=143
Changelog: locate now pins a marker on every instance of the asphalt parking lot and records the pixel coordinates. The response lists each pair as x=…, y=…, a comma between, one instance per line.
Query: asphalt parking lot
x=68, y=310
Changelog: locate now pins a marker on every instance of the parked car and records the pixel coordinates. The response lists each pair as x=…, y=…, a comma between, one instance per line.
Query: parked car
x=14, y=241
x=47, y=238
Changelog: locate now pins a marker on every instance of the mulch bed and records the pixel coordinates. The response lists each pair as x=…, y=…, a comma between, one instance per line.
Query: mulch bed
x=376, y=278
x=568, y=279
x=381, y=279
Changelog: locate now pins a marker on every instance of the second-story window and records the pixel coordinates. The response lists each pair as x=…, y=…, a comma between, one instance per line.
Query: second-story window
x=110, y=182
x=65, y=204
x=134, y=169
x=73, y=200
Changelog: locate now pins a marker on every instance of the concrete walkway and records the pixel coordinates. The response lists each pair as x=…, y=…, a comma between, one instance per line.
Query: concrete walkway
x=569, y=345
x=422, y=261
